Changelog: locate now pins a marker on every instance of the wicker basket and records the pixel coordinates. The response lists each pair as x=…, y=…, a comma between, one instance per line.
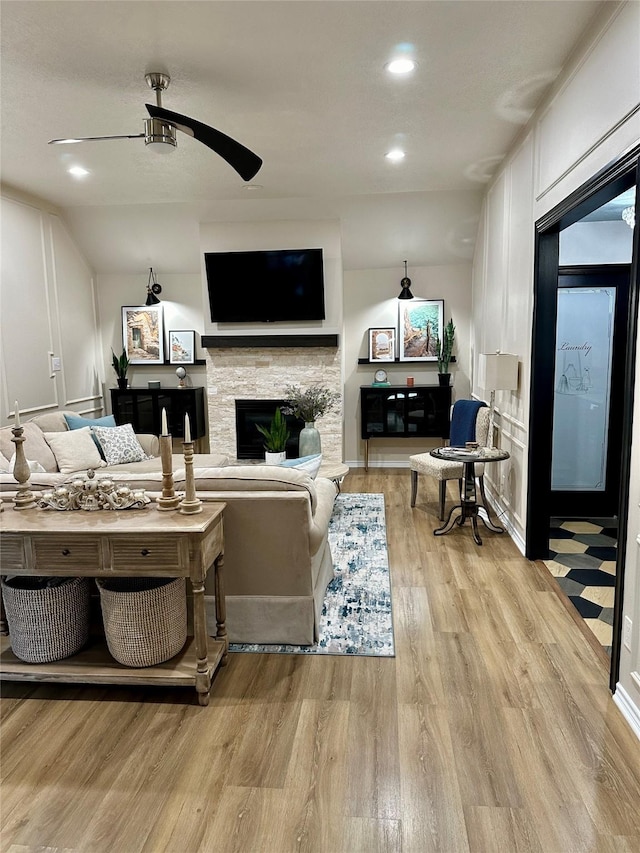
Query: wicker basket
x=145, y=619
x=47, y=623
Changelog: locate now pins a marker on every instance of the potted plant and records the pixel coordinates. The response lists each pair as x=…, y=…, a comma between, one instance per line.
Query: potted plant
x=444, y=350
x=120, y=365
x=308, y=405
x=275, y=439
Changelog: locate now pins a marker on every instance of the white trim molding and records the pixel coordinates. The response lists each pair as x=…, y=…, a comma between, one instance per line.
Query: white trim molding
x=629, y=710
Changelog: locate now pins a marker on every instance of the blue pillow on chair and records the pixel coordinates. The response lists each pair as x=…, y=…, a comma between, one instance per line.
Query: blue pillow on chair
x=463, y=421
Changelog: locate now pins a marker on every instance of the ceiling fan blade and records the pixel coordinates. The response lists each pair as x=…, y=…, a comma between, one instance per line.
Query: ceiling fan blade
x=245, y=162
x=93, y=138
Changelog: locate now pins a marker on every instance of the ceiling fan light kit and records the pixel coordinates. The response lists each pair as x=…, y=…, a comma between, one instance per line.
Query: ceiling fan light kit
x=160, y=133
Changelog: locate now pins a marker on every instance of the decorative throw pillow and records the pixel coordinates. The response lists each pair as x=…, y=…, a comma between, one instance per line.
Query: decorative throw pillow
x=74, y=450
x=119, y=444
x=309, y=464
x=77, y=421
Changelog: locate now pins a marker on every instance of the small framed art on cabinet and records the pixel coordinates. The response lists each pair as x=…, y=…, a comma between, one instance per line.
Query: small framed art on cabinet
x=382, y=344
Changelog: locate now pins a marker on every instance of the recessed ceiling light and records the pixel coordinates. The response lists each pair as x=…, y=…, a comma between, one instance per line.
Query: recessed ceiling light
x=78, y=171
x=395, y=155
x=401, y=66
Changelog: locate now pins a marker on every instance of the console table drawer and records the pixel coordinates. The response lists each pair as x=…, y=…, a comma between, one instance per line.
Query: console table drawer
x=12, y=554
x=65, y=551
x=157, y=552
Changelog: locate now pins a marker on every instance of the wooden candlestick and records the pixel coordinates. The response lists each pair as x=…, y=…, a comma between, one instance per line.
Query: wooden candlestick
x=190, y=503
x=24, y=499
x=168, y=499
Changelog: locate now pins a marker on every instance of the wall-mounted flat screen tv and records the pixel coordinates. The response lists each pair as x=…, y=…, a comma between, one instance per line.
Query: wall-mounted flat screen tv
x=266, y=286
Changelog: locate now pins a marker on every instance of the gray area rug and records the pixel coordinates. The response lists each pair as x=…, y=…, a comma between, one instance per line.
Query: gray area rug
x=356, y=617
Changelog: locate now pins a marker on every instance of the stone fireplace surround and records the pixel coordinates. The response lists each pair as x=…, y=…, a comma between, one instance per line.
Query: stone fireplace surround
x=247, y=373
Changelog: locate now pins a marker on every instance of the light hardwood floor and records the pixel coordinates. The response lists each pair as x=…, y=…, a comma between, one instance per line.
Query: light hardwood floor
x=492, y=730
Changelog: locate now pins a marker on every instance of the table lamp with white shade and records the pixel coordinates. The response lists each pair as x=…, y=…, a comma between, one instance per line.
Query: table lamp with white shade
x=497, y=371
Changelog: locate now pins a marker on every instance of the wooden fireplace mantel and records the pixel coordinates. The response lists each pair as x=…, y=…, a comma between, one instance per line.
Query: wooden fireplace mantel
x=262, y=341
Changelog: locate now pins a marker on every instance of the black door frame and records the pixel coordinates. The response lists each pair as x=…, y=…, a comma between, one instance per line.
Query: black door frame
x=601, y=188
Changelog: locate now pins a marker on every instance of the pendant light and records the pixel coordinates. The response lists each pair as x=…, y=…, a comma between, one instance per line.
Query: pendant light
x=405, y=284
x=153, y=288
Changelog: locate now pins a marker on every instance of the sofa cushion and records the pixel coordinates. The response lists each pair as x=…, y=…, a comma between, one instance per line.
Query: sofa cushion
x=35, y=447
x=52, y=421
x=74, y=450
x=119, y=444
x=310, y=464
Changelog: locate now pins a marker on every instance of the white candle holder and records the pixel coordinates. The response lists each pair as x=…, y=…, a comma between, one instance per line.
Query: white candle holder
x=190, y=504
x=168, y=500
x=24, y=499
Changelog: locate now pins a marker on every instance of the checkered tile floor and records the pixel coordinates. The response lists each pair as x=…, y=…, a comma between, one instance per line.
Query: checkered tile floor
x=582, y=558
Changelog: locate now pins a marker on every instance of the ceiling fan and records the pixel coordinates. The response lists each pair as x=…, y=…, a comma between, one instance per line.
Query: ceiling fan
x=160, y=132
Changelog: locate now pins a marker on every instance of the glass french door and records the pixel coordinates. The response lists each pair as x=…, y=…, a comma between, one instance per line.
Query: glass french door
x=587, y=404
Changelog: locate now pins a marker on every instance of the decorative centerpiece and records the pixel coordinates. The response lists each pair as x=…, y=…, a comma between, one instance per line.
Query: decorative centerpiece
x=309, y=405
x=444, y=351
x=90, y=493
x=275, y=437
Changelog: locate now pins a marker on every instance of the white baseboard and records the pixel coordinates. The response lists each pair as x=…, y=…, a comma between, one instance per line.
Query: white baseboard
x=629, y=709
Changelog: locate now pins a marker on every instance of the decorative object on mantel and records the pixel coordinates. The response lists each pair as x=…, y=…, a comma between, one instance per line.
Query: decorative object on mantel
x=88, y=493
x=189, y=504
x=153, y=289
x=275, y=437
x=405, y=284
x=181, y=374
x=309, y=405
x=380, y=377
x=444, y=349
x=120, y=365
x=168, y=499
x=24, y=499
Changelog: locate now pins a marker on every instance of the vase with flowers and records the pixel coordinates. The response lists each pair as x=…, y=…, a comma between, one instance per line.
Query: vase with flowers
x=309, y=405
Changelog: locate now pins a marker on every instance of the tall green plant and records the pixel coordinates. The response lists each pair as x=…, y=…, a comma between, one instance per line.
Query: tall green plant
x=120, y=364
x=444, y=348
x=276, y=434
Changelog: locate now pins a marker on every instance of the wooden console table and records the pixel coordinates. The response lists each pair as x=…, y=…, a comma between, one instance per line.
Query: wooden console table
x=121, y=544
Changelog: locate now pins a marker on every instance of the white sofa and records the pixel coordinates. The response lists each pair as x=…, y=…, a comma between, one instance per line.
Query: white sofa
x=277, y=557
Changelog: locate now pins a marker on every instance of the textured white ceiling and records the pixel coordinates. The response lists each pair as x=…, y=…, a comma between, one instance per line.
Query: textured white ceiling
x=300, y=83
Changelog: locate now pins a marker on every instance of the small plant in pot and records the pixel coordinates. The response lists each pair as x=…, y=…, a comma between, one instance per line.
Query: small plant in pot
x=444, y=351
x=275, y=439
x=120, y=365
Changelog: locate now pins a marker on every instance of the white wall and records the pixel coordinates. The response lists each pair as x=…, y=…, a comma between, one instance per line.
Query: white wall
x=370, y=300
x=47, y=300
x=590, y=118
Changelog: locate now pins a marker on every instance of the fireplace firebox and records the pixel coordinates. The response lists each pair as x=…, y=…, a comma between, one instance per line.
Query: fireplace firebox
x=249, y=441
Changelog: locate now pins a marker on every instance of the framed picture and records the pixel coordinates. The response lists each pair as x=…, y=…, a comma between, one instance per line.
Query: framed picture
x=420, y=324
x=382, y=344
x=143, y=333
x=182, y=346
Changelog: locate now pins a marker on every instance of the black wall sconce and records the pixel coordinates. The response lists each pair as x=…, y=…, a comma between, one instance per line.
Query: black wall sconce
x=153, y=289
x=405, y=284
